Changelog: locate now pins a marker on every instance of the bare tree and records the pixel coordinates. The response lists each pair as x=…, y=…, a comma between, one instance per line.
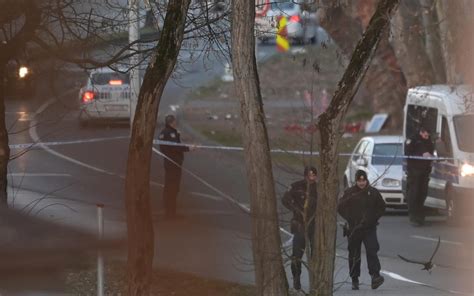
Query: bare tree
x=455, y=21
x=19, y=21
x=269, y=272
x=409, y=44
x=329, y=124
x=433, y=39
x=137, y=182
x=384, y=82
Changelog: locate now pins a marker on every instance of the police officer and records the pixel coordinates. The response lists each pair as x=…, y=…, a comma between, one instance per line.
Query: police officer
x=362, y=206
x=418, y=174
x=172, y=166
x=301, y=198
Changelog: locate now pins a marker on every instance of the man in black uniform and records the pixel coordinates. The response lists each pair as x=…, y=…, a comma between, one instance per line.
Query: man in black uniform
x=301, y=198
x=172, y=167
x=362, y=206
x=418, y=175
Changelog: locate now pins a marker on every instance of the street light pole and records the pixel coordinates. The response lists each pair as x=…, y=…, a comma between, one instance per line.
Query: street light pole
x=133, y=36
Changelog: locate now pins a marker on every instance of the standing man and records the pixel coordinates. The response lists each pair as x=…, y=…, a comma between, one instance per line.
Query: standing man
x=418, y=174
x=362, y=206
x=172, y=166
x=301, y=198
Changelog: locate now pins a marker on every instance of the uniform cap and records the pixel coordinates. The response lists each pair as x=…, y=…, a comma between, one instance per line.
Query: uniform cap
x=361, y=175
x=308, y=169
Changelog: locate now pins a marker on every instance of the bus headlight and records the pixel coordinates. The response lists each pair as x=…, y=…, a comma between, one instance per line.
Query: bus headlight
x=467, y=170
x=388, y=182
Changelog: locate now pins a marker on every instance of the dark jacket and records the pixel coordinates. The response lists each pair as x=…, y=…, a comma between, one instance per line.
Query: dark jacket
x=416, y=147
x=176, y=153
x=294, y=199
x=361, y=208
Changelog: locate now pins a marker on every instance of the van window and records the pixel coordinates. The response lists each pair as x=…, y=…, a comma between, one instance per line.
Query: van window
x=463, y=128
x=444, y=146
x=418, y=116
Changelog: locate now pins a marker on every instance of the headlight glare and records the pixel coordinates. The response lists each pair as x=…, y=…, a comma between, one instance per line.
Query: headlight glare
x=23, y=71
x=467, y=170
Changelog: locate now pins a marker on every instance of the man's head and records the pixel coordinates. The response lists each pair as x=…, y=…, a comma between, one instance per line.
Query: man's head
x=424, y=133
x=361, y=179
x=170, y=120
x=310, y=173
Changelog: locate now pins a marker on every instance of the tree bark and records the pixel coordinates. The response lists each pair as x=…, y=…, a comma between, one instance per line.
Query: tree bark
x=137, y=182
x=9, y=50
x=384, y=81
x=433, y=40
x=456, y=36
x=329, y=124
x=408, y=42
x=269, y=272
x=4, y=148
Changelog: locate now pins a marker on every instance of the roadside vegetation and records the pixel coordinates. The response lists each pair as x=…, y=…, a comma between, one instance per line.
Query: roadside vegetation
x=164, y=282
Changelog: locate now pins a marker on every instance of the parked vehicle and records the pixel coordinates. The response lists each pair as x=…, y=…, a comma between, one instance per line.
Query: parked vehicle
x=381, y=158
x=301, y=25
x=448, y=112
x=106, y=95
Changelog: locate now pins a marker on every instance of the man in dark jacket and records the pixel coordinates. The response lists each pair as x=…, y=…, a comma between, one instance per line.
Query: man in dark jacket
x=362, y=206
x=418, y=175
x=301, y=199
x=172, y=166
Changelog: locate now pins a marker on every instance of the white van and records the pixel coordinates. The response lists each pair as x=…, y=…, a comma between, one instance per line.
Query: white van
x=448, y=112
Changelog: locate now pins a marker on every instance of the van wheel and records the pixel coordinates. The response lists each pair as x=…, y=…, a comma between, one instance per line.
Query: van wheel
x=452, y=209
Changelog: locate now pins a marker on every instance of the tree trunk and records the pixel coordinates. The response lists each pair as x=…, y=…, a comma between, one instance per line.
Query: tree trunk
x=28, y=10
x=433, y=40
x=137, y=182
x=456, y=34
x=266, y=242
x=329, y=124
x=408, y=42
x=4, y=148
x=384, y=83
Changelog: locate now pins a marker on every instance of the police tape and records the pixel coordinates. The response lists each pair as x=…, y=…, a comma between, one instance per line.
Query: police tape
x=38, y=145
x=300, y=152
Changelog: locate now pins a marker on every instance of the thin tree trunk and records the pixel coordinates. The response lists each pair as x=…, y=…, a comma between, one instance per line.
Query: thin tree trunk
x=137, y=182
x=269, y=272
x=4, y=148
x=27, y=10
x=408, y=42
x=329, y=124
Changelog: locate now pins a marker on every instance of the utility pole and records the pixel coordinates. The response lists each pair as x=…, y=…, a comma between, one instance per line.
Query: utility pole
x=133, y=36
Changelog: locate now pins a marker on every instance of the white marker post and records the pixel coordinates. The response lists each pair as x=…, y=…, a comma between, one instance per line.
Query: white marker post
x=100, y=260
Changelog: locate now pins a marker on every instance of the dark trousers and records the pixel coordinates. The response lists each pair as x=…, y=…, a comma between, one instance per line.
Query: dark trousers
x=417, y=190
x=171, y=188
x=299, y=246
x=371, y=244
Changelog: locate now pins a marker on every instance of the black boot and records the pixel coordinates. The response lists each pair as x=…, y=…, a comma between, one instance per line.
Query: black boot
x=296, y=283
x=377, y=281
x=355, y=283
